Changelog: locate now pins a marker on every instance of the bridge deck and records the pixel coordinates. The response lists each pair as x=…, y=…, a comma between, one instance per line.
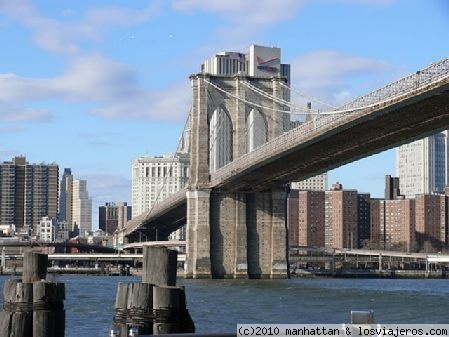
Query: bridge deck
x=405, y=110
x=332, y=140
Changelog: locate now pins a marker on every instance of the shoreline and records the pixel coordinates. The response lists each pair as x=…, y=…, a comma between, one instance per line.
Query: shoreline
x=298, y=273
x=371, y=274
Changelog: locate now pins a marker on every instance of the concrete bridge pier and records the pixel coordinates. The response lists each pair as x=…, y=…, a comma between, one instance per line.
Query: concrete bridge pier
x=198, y=247
x=267, y=236
x=228, y=235
x=236, y=235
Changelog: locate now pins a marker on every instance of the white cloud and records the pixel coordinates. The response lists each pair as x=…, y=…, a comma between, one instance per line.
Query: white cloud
x=107, y=187
x=113, y=89
x=64, y=36
x=332, y=74
x=172, y=104
x=365, y=2
x=260, y=12
x=243, y=18
x=11, y=113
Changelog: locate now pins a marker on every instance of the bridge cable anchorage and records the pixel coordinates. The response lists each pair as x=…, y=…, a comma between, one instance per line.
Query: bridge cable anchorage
x=311, y=98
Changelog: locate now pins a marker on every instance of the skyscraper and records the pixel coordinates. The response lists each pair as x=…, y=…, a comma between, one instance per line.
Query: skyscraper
x=392, y=190
x=421, y=165
x=154, y=178
x=28, y=192
x=260, y=61
x=82, y=207
x=66, y=197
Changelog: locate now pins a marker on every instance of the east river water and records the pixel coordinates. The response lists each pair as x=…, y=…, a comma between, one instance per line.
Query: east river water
x=218, y=305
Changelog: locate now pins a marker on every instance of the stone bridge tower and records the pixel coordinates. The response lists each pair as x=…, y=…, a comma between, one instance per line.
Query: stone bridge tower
x=235, y=234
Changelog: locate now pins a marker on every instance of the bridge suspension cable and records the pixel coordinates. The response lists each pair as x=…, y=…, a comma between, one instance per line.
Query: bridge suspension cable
x=292, y=112
x=182, y=140
x=278, y=99
x=311, y=98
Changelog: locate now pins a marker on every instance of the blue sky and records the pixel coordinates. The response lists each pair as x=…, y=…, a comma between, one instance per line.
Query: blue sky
x=91, y=85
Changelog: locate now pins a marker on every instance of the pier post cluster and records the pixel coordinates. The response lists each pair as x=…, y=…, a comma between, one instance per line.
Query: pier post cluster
x=33, y=307
x=155, y=306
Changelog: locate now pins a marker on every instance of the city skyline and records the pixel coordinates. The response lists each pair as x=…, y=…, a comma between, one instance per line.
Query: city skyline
x=136, y=101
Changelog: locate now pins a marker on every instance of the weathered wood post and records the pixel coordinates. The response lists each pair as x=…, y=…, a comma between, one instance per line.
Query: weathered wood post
x=140, y=307
x=154, y=306
x=170, y=311
x=48, y=309
x=33, y=307
x=121, y=308
x=134, y=308
x=34, y=267
x=159, y=266
x=17, y=318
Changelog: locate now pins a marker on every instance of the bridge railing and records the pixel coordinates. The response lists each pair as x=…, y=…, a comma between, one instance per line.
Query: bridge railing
x=435, y=72
x=421, y=78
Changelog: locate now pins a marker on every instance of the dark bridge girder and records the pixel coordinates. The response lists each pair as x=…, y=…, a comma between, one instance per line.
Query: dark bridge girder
x=159, y=228
x=383, y=129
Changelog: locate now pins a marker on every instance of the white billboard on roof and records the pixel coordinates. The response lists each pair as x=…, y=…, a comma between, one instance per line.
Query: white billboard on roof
x=264, y=61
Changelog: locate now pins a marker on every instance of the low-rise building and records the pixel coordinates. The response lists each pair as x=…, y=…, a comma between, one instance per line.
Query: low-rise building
x=46, y=229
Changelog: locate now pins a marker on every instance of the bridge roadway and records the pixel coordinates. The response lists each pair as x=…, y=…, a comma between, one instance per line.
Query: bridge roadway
x=171, y=212
x=406, y=110
x=413, y=107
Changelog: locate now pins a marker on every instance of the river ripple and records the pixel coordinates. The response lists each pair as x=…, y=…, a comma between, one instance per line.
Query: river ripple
x=218, y=305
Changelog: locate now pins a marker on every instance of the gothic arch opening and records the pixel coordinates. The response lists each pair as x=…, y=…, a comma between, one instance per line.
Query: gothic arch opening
x=256, y=129
x=220, y=139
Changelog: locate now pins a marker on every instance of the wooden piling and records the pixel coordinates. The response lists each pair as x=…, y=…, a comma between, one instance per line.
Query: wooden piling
x=16, y=320
x=34, y=307
x=121, y=308
x=154, y=306
x=5, y=326
x=60, y=313
x=134, y=307
x=34, y=267
x=22, y=318
x=48, y=308
x=159, y=266
x=170, y=312
x=140, y=307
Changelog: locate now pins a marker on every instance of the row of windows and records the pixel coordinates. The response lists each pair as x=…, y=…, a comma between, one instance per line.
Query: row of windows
x=228, y=66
